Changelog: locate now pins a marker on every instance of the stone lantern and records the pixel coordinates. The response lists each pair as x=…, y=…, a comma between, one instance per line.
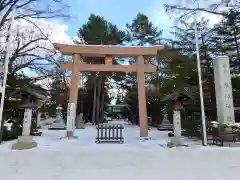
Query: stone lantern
x=26, y=141
x=177, y=98
x=165, y=124
x=177, y=139
x=32, y=99
x=58, y=124
x=59, y=112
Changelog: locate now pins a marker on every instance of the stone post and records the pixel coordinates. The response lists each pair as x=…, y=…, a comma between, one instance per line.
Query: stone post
x=25, y=141
x=223, y=88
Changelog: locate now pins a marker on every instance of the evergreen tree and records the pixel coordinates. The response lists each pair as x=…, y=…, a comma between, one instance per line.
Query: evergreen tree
x=227, y=38
x=98, y=31
x=143, y=31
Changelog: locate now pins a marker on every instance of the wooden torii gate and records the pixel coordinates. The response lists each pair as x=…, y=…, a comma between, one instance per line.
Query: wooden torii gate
x=108, y=51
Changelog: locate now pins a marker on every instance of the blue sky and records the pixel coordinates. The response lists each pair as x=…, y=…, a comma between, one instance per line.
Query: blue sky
x=118, y=12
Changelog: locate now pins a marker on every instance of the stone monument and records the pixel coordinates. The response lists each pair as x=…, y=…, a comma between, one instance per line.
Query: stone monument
x=165, y=124
x=26, y=141
x=58, y=124
x=223, y=87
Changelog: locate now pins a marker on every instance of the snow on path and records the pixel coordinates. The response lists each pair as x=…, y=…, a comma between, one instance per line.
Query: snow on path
x=61, y=159
x=50, y=141
x=162, y=164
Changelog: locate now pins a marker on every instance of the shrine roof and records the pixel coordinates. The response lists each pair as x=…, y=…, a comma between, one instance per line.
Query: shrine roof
x=178, y=93
x=30, y=91
x=103, y=50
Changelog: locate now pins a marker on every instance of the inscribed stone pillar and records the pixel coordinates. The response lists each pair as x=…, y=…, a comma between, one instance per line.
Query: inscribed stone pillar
x=223, y=88
x=142, y=97
x=177, y=123
x=27, y=122
x=71, y=112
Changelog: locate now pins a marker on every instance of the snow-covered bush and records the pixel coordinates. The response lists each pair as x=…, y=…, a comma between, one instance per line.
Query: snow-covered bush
x=12, y=132
x=5, y=133
x=214, y=124
x=15, y=131
x=234, y=125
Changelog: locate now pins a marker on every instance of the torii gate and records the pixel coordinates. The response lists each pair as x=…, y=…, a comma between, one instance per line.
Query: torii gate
x=108, y=51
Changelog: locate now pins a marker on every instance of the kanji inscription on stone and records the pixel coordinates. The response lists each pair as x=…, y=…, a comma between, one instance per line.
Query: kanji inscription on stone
x=223, y=87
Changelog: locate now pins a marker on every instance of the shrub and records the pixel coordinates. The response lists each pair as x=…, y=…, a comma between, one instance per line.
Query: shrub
x=16, y=130
x=33, y=126
x=43, y=116
x=5, y=135
x=238, y=134
x=191, y=127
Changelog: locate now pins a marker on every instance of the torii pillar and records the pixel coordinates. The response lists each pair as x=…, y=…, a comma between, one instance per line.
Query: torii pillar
x=143, y=121
x=75, y=80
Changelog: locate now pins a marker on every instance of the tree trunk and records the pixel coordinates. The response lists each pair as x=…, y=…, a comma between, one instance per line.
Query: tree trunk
x=88, y=111
x=102, y=100
x=94, y=101
x=98, y=99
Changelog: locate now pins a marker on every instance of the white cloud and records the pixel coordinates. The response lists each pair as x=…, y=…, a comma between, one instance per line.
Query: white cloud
x=57, y=31
x=57, y=34
x=54, y=30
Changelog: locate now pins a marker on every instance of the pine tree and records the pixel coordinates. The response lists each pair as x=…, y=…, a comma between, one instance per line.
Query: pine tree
x=98, y=31
x=143, y=31
x=228, y=36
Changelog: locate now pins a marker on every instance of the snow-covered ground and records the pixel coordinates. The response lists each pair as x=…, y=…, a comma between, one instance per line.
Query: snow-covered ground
x=62, y=159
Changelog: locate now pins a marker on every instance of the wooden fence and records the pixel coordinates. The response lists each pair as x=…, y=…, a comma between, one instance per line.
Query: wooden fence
x=109, y=133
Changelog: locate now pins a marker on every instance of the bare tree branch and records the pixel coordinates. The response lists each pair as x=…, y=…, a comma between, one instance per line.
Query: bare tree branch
x=185, y=8
x=32, y=9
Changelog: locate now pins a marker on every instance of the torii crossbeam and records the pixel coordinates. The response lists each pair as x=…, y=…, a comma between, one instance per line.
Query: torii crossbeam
x=108, y=51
